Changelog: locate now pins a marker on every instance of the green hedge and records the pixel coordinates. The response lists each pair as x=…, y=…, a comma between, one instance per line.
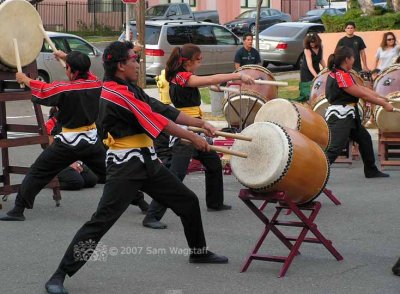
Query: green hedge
x=379, y=21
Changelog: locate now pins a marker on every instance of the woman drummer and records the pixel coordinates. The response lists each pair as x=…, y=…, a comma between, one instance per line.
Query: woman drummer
x=343, y=116
x=185, y=95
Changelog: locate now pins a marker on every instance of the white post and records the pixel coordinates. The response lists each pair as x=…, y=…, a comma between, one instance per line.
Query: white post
x=127, y=29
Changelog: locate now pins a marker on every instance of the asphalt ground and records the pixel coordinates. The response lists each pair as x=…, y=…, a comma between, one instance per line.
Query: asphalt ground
x=364, y=229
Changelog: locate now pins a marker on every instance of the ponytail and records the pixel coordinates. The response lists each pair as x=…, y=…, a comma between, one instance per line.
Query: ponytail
x=336, y=59
x=177, y=59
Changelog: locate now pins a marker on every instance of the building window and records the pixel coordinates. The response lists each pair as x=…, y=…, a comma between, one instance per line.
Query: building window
x=253, y=3
x=105, y=6
x=190, y=2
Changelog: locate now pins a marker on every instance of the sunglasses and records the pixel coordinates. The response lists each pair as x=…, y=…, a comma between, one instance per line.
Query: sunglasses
x=390, y=39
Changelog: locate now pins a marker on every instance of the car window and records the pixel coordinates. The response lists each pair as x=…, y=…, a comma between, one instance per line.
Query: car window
x=184, y=9
x=275, y=12
x=177, y=35
x=281, y=30
x=330, y=12
x=76, y=44
x=156, y=10
x=248, y=14
x=202, y=35
x=315, y=12
x=152, y=34
x=58, y=42
x=316, y=29
x=223, y=36
x=173, y=10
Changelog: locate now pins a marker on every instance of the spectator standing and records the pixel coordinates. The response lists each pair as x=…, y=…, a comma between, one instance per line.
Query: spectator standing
x=387, y=52
x=247, y=54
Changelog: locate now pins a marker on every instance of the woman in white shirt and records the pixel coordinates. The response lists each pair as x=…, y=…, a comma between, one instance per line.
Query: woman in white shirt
x=387, y=52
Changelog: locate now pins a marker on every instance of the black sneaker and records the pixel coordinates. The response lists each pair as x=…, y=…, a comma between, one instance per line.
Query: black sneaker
x=208, y=257
x=396, y=268
x=55, y=286
x=143, y=205
x=12, y=217
x=377, y=174
x=223, y=207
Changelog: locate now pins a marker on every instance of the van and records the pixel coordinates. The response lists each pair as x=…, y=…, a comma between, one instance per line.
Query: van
x=217, y=44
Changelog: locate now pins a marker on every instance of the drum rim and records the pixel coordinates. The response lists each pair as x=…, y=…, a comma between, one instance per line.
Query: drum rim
x=380, y=108
x=387, y=70
x=256, y=66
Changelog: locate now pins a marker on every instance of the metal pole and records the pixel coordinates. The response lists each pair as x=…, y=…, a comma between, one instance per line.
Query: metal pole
x=66, y=16
x=127, y=34
x=140, y=27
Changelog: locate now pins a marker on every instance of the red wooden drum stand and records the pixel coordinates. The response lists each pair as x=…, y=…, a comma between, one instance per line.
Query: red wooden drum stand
x=389, y=148
x=9, y=93
x=282, y=202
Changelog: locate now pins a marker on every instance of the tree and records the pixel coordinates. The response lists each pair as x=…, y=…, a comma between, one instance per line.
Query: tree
x=366, y=6
x=396, y=5
x=259, y=3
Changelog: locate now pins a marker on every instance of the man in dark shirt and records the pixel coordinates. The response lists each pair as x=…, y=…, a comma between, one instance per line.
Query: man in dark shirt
x=357, y=44
x=247, y=54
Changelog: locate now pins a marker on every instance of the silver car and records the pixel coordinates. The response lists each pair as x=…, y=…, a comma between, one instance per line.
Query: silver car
x=50, y=69
x=282, y=44
x=217, y=44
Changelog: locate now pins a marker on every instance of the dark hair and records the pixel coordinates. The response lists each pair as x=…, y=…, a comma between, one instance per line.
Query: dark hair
x=247, y=35
x=79, y=64
x=397, y=60
x=340, y=55
x=384, y=42
x=350, y=23
x=178, y=58
x=113, y=54
x=311, y=37
x=375, y=71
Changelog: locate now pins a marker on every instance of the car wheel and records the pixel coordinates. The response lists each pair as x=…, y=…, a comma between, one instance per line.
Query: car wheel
x=298, y=63
x=252, y=29
x=43, y=77
x=265, y=64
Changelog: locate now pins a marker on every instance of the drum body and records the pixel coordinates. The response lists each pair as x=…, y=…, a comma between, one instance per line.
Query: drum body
x=318, y=101
x=266, y=92
x=281, y=159
x=296, y=117
x=388, y=121
x=20, y=21
x=242, y=109
x=387, y=81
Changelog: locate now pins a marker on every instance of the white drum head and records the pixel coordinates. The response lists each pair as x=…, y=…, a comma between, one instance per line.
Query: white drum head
x=247, y=106
x=388, y=121
x=321, y=107
x=280, y=111
x=268, y=155
x=19, y=20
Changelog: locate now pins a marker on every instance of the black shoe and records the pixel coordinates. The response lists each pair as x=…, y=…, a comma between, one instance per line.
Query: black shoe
x=143, y=205
x=377, y=174
x=12, y=217
x=223, y=207
x=55, y=287
x=396, y=268
x=154, y=224
x=208, y=257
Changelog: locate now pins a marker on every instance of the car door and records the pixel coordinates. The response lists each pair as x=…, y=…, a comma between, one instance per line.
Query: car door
x=77, y=44
x=225, y=49
x=51, y=65
x=203, y=36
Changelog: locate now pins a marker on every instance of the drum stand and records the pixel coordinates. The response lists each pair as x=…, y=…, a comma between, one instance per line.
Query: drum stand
x=349, y=154
x=282, y=202
x=10, y=91
x=388, y=147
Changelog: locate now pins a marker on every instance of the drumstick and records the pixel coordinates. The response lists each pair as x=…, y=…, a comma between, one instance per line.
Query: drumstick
x=18, y=59
x=227, y=89
x=222, y=134
x=50, y=42
x=272, y=83
x=223, y=150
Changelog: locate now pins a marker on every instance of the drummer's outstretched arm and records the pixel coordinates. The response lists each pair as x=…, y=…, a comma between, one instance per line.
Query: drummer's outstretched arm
x=23, y=79
x=60, y=55
x=184, y=119
x=369, y=96
x=201, y=81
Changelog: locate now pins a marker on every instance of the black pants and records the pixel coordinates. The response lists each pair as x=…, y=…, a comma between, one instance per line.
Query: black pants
x=70, y=179
x=178, y=165
x=349, y=128
x=54, y=159
x=118, y=193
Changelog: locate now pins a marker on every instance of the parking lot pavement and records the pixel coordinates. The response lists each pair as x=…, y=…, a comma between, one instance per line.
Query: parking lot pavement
x=139, y=260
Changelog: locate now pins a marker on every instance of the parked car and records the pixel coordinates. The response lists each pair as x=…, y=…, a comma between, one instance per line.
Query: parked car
x=315, y=15
x=246, y=22
x=218, y=45
x=50, y=69
x=282, y=44
x=381, y=3
x=180, y=11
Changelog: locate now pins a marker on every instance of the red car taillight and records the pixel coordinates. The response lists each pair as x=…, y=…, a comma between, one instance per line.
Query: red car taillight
x=154, y=52
x=282, y=46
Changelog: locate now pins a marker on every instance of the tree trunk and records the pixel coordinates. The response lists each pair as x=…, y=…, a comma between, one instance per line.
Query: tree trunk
x=396, y=5
x=140, y=8
x=259, y=3
x=366, y=6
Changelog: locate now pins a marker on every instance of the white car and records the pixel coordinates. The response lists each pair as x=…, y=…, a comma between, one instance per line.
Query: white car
x=50, y=69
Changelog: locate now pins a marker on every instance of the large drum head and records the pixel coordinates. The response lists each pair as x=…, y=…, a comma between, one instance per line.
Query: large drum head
x=388, y=81
x=19, y=20
x=389, y=121
x=242, y=109
x=280, y=111
x=268, y=155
